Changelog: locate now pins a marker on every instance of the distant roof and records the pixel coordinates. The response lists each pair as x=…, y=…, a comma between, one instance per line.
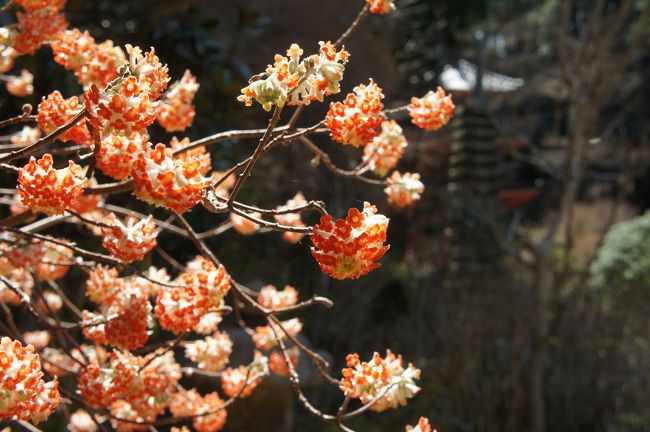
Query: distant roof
x=463, y=78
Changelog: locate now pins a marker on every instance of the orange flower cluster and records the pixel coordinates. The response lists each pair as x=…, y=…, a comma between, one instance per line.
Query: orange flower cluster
x=349, y=248
x=61, y=364
x=176, y=184
x=21, y=86
x=380, y=376
x=36, y=5
x=264, y=336
x=422, y=426
x=292, y=219
x=381, y=6
x=49, y=261
x=197, y=152
x=7, y=55
x=302, y=81
x=151, y=74
x=278, y=365
x=211, y=353
x=25, y=395
x=403, y=190
x=244, y=225
x=54, y=112
x=45, y=189
x=385, y=150
x=26, y=136
x=39, y=339
x=176, y=111
x=191, y=403
x=271, y=298
x=243, y=380
x=432, y=111
x=200, y=290
x=103, y=285
x=130, y=240
x=118, y=153
x=356, y=120
x=37, y=26
x=81, y=421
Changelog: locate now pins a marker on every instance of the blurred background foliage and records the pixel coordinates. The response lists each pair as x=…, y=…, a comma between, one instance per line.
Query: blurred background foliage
x=478, y=344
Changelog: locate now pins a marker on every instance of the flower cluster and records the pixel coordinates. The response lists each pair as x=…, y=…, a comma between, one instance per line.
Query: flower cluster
x=381, y=6
x=243, y=380
x=432, y=111
x=176, y=184
x=264, y=336
x=271, y=298
x=349, y=248
x=24, y=395
x=295, y=81
x=130, y=240
x=191, y=403
x=244, y=225
x=386, y=149
x=45, y=189
x=150, y=73
x=211, y=353
x=36, y=26
x=291, y=219
x=278, y=364
x=422, y=426
x=385, y=378
x=22, y=85
x=178, y=146
x=403, y=190
x=176, y=111
x=118, y=153
x=26, y=136
x=356, y=120
x=54, y=112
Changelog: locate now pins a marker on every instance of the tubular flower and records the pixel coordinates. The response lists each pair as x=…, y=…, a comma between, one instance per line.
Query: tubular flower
x=54, y=112
x=23, y=393
x=302, y=81
x=211, y=353
x=118, y=153
x=211, y=279
x=278, y=365
x=244, y=225
x=72, y=48
x=292, y=219
x=81, y=421
x=264, y=336
x=45, y=189
x=176, y=112
x=422, y=426
x=26, y=136
x=356, y=120
x=22, y=85
x=124, y=110
x=130, y=240
x=7, y=57
x=36, y=27
x=198, y=152
x=101, y=386
x=151, y=75
x=163, y=181
x=242, y=381
x=403, y=190
x=349, y=248
x=385, y=150
x=101, y=65
x=432, y=111
x=272, y=299
x=381, y=6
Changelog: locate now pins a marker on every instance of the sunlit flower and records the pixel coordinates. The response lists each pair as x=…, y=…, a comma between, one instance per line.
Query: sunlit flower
x=176, y=111
x=242, y=381
x=264, y=336
x=150, y=73
x=292, y=219
x=81, y=421
x=73, y=48
x=385, y=150
x=244, y=225
x=36, y=27
x=130, y=329
x=103, y=285
x=58, y=362
x=101, y=385
x=356, y=120
x=7, y=58
x=208, y=416
x=37, y=5
x=211, y=353
x=403, y=190
x=422, y=426
x=26, y=136
x=197, y=152
x=208, y=323
x=54, y=112
x=123, y=410
x=101, y=65
x=22, y=85
x=432, y=111
x=278, y=365
x=271, y=298
x=118, y=153
x=349, y=248
x=45, y=189
x=129, y=240
x=164, y=181
x=381, y=6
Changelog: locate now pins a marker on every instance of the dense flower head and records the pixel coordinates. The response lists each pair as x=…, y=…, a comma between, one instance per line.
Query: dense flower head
x=19, y=277
x=349, y=248
x=58, y=362
x=39, y=339
x=129, y=240
x=403, y=190
x=24, y=395
x=130, y=329
x=292, y=219
x=208, y=323
x=150, y=73
x=264, y=336
x=191, y=403
x=380, y=376
x=176, y=184
x=26, y=136
x=278, y=364
x=197, y=152
x=48, y=260
x=295, y=81
x=243, y=380
x=211, y=353
x=432, y=111
x=54, y=112
x=244, y=225
x=273, y=299
x=176, y=111
x=381, y=6
x=87, y=203
x=7, y=57
x=422, y=426
x=37, y=5
x=81, y=421
x=101, y=65
x=36, y=27
x=122, y=416
x=45, y=189
x=386, y=149
x=103, y=285
x=118, y=153
x=123, y=110
x=21, y=85
x=102, y=384
x=73, y=48
x=356, y=120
